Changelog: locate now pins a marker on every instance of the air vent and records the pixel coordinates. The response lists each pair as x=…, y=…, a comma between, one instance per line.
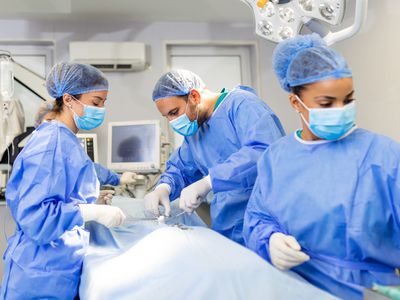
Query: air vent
x=111, y=56
x=103, y=66
x=124, y=66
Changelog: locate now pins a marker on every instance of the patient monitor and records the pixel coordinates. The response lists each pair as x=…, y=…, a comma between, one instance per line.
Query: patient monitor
x=89, y=144
x=134, y=146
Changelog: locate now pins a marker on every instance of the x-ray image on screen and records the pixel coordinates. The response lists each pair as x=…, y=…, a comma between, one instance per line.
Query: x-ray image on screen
x=133, y=143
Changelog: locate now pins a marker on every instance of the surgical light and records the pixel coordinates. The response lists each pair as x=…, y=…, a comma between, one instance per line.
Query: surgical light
x=307, y=5
x=6, y=76
x=286, y=14
x=277, y=20
x=285, y=33
x=327, y=11
x=265, y=27
x=268, y=10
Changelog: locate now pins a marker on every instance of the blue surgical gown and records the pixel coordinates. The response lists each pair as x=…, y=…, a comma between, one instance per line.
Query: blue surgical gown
x=106, y=176
x=340, y=200
x=226, y=147
x=50, y=177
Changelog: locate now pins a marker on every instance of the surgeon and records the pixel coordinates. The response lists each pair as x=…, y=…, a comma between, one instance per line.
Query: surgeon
x=104, y=175
x=326, y=201
x=53, y=190
x=225, y=134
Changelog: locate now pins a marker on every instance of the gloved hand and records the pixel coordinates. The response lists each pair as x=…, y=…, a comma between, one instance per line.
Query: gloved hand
x=105, y=197
x=128, y=178
x=160, y=196
x=109, y=216
x=284, y=251
x=192, y=196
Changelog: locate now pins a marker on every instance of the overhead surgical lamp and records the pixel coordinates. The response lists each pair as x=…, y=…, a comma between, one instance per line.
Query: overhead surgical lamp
x=6, y=76
x=277, y=20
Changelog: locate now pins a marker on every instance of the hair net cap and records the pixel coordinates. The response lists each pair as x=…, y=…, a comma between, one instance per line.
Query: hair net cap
x=75, y=79
x=306, y=59
x=176, y=83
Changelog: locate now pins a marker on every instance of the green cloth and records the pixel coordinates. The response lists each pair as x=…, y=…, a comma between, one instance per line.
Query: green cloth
x=390, y=291
x=224, y=92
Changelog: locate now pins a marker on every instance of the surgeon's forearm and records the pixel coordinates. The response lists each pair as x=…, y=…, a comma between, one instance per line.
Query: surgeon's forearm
x=238, y=172
x=51, y=220
x=175, y=189
x=112, y=179
x=258, y=239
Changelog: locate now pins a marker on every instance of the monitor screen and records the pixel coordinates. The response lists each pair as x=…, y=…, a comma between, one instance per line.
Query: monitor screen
x=133, y=143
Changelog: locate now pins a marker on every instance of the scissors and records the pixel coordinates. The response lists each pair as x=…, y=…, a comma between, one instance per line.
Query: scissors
x=160, y=219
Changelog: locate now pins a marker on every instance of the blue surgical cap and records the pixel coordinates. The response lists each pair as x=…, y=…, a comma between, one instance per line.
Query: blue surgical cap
x=306, y=59
x=176, y=83
x=75, y=79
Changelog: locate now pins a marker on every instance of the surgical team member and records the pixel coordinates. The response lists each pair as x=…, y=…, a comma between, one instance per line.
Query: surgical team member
x=326, y=202
x=53, y=190
x=225, y=134
x=104, y=175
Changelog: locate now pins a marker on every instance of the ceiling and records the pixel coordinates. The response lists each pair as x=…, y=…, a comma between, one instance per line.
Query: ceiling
x=225, y=11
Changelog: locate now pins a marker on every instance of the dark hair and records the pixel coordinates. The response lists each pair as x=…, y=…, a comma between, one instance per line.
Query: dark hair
x=297, y=89
x=59, y=104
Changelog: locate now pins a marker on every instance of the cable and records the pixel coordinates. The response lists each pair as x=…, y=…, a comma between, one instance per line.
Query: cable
x=5, y=216
x=152, y=182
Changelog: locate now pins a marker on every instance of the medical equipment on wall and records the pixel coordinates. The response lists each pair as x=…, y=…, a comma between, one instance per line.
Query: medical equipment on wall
x=134, y=146
x=10, y=71
x=6, y=76
x=6, y=89
x=6, y=92
x=277, y=20
x=89, y=144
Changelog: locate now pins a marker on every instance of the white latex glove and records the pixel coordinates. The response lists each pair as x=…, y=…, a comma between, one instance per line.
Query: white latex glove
x=109, y=216
x=128, y=178
x=285, y=251
x=160, y=196
x=105, y=197
x=192, y=196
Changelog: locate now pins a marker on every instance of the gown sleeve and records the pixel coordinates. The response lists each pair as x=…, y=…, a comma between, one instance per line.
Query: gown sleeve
x=40, y=199
x=257, y=127
x=259, y=224
x=181, y=171
x=106, y=176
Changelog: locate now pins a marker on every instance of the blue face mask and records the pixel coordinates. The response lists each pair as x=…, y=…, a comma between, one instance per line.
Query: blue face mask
x=330, y=123
x=92, y=117
x=184, y=126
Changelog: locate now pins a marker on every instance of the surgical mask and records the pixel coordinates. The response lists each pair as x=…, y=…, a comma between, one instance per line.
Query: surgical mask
x=184, y=126
x=330, y=123
x=92, y=116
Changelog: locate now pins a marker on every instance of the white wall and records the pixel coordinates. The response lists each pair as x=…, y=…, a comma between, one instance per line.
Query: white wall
x=372, y=54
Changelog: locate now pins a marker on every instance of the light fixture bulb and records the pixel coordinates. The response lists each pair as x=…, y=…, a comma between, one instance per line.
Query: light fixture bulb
x=286, y=14
x=268, y=10
x=327, y=11
x=265, y=27
x=307, y=5
x=285, y=33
